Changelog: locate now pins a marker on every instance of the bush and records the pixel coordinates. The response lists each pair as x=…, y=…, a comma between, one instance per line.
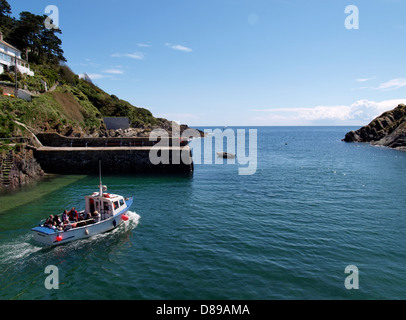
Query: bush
x=67, y=76
x=34, y=83
x=7, y=77
x=48, y=73
x=6, y=126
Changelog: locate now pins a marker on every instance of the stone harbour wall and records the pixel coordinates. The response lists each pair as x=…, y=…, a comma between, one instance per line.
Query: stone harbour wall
x=123, y=160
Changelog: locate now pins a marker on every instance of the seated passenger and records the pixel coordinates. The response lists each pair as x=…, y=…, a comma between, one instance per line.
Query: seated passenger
x=49, y=224
x=73, y=215
x=87, y=217
x=65, y=215
x=83, y=216
x=58, y=227
x=57, y=221
x=96, y=217
x=66, y=225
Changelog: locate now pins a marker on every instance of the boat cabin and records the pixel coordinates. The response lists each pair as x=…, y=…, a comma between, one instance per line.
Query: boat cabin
x=107, y=204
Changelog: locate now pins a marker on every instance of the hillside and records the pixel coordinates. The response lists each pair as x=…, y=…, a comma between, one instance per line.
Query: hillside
x=389, y=129
x=75, y=107
x=61, y=101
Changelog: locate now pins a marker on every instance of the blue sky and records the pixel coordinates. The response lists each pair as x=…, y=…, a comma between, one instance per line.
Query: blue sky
x=239, y=62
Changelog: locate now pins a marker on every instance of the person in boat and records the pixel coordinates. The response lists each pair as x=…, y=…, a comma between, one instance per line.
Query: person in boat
x=96, y=217
x=65, y=215
x=73, y=215
x=58, y=227
x=57, y=221
x=87, y=216
x=66, y=225
x=49, y=224
x=51, y=219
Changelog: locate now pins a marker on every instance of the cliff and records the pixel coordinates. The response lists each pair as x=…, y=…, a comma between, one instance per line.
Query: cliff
x=389, y=130
x=18, y=167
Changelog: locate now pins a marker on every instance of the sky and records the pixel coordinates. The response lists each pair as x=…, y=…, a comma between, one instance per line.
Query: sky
x=240, y=62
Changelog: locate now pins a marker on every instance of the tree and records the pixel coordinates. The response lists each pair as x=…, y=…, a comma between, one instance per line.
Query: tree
x=5, y=8
x=51, y=50
x=6, y=22
x=40, y=45
x=24, y=35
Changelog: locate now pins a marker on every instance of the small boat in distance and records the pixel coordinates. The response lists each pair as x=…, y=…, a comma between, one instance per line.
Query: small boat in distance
x=226, y=155
x=105, y=212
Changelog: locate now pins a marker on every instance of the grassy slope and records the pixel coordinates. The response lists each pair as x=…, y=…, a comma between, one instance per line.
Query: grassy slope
x=75, y=107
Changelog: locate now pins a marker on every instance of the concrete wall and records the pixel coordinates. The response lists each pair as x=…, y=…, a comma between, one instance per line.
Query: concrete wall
x=114, y=160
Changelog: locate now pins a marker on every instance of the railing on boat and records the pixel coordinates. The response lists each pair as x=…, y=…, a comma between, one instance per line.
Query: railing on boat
x=74, y=224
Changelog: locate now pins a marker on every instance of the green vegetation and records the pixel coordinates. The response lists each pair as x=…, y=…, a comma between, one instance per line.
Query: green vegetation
x=29, y=34
x=74, y=106
x=58, y=111
x=111, y=106
x=7, y=126
x=61, y=101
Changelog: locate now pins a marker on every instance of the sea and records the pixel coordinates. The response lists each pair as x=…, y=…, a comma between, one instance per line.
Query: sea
x=317, y=218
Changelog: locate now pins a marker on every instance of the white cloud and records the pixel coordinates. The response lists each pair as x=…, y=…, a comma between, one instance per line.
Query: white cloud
x=365, y=79
x=361, y=111
x=114, y=71
x=136, y=55
x=144, y=45
x=393, y=84
x=178, y=47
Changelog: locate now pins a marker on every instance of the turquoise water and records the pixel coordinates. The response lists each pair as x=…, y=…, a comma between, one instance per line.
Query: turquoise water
x=314, y=206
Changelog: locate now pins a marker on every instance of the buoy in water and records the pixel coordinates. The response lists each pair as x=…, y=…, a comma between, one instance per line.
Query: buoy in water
x=59, y=238
x=124, y=217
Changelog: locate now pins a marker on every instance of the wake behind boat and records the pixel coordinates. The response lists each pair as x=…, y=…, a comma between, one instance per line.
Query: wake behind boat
x=103, y=212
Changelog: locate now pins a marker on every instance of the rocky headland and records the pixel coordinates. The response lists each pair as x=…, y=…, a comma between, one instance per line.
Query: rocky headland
x=389, y=130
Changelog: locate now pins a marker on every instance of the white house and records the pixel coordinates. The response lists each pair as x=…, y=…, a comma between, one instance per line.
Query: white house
x=8, y=57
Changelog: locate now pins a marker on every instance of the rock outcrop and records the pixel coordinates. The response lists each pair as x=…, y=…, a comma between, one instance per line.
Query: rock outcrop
x=22, y=169
x=387, y=130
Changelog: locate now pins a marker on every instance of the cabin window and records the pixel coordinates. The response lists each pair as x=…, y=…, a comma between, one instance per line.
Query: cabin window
x=121, y=202
x=116, y=205
x=105, y=206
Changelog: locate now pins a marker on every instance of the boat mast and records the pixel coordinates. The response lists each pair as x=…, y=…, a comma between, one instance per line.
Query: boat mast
x=100, y=185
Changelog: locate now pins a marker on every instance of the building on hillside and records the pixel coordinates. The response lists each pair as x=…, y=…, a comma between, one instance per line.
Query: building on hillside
x=117, y=123
x=9, y=55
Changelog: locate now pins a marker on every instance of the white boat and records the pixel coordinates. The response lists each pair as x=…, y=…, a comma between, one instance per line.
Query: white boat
x=112, y=208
